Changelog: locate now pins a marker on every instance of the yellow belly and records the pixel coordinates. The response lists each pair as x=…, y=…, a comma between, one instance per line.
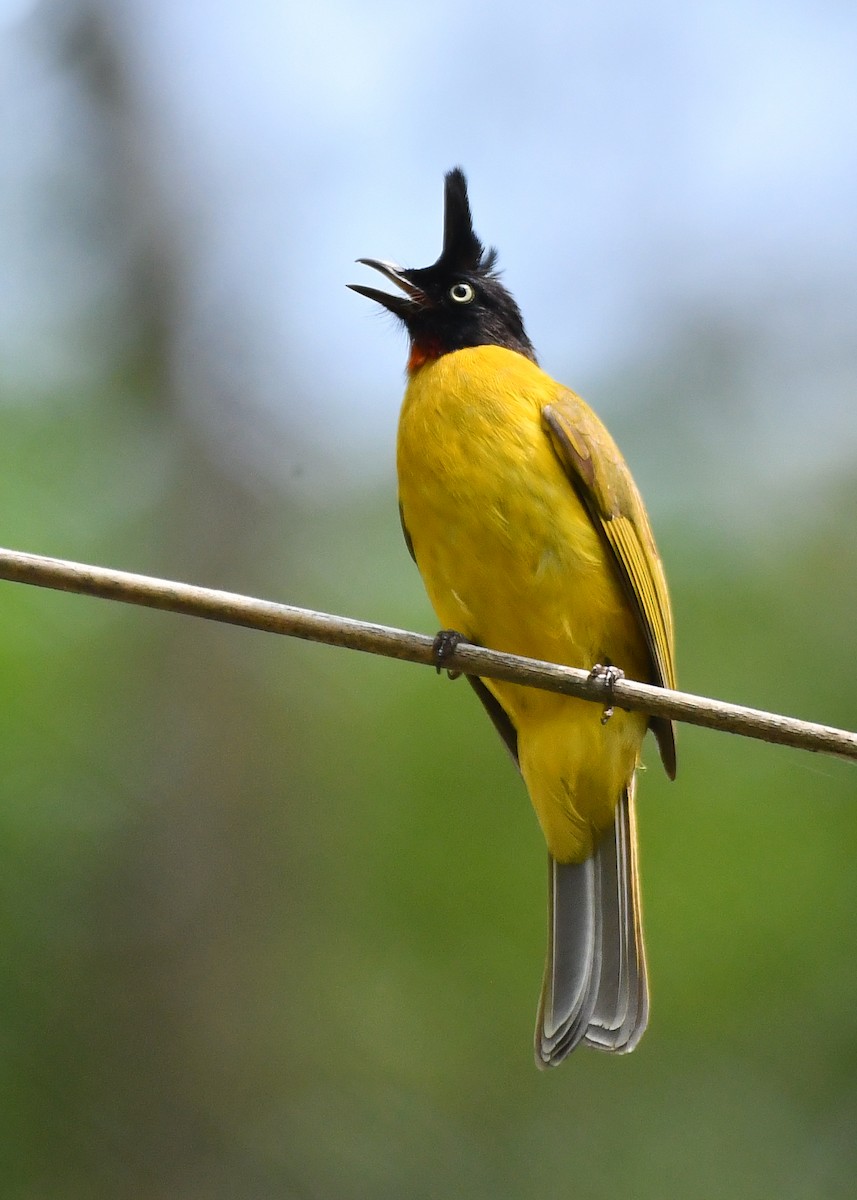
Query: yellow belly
x=510, y=559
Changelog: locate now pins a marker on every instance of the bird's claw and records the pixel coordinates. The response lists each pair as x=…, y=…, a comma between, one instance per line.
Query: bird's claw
x=609, y=676
x=445, y=644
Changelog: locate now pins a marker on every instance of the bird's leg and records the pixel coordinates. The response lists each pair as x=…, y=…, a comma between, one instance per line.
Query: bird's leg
x=445, y=644
x=610, y=676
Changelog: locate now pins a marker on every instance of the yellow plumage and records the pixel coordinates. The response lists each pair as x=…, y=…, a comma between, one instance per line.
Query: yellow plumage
x=511, y=559
x=531, y=538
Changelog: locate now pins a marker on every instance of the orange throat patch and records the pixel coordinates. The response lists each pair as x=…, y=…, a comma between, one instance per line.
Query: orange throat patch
x=421, y=353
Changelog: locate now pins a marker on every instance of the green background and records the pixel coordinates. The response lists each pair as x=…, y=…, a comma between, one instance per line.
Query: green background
x=272, y=914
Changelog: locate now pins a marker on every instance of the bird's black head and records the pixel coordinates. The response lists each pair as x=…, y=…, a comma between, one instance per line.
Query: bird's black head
x=459, y=300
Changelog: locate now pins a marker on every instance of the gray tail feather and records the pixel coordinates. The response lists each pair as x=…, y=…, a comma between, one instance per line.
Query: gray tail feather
x=595, y=989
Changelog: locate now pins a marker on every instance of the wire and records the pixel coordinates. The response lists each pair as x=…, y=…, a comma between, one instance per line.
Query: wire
x=233, y=609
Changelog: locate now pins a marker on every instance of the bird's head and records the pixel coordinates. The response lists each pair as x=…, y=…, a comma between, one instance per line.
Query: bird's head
x=459, y=300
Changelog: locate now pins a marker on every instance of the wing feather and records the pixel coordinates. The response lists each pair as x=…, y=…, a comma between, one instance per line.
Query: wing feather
x=596, y=469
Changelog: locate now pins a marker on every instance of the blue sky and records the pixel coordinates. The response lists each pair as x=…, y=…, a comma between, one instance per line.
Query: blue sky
x=633, y=164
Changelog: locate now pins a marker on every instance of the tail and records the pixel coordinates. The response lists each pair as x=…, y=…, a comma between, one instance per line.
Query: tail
x=594, y=989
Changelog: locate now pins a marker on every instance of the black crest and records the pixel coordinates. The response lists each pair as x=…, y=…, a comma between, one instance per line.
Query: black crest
x=462, y=249
x=458, y=301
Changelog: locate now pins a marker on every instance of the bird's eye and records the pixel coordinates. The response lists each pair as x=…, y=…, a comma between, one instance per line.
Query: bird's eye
x=462, y=293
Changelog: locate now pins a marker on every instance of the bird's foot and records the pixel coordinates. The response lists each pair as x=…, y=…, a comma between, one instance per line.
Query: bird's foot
x=610, y=676
x=444, y=646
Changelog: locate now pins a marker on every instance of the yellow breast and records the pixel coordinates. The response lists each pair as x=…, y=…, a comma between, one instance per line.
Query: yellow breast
x=511, y=559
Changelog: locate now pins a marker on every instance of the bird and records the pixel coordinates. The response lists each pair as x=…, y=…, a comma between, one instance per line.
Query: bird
x=531, y=538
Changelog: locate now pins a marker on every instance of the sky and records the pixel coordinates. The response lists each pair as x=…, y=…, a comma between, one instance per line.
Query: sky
x=636, y=166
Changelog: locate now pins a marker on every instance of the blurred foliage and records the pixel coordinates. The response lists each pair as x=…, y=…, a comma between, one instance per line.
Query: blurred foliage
x=273, y=914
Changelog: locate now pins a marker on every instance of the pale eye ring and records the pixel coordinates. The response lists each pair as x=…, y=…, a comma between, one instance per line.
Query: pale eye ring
x=462, y=293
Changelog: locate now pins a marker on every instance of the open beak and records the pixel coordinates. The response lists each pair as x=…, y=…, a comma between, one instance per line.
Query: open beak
x=413, y=298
